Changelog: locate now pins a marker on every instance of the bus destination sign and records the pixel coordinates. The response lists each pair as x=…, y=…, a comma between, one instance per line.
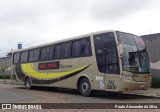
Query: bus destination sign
x=48, y=66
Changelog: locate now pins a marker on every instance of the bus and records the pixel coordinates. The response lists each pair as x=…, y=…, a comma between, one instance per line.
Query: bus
x=111, y=61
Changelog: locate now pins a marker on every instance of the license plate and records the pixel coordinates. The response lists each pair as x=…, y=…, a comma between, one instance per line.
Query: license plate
x=141, y=86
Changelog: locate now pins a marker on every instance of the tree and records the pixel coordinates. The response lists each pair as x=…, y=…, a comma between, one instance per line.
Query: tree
x=9, y=54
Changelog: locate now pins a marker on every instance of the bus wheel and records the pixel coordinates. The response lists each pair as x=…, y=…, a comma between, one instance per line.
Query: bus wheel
x=85, y=87
x=28, y=83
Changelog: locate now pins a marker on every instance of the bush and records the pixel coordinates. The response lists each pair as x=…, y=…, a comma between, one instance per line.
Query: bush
x=155, y=82
x=5, y=76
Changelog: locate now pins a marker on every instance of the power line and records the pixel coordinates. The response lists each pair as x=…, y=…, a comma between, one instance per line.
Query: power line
x=5, y=49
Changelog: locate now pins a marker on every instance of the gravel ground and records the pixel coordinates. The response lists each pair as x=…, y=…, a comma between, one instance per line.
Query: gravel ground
x=18, y=94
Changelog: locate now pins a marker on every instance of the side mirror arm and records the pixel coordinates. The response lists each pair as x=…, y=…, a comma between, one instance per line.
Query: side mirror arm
x=121, y=49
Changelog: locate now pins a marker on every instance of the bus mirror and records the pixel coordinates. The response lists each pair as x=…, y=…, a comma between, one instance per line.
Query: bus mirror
x=121, y=51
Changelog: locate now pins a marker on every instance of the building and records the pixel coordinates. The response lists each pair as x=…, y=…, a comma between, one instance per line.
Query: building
x=152, y=42
x=5, y=65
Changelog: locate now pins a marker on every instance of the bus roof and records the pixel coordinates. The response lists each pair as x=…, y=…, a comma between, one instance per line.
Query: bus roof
x=64, y=40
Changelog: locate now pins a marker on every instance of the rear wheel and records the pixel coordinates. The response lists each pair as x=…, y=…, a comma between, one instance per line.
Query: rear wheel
x=85, y=87
x=28, y=83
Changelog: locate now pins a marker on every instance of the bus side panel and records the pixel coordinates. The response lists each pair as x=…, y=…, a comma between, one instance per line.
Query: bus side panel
x=87, y=74
x=75, y=63
x=66, y=83
x=99, y=81
x=15, y=79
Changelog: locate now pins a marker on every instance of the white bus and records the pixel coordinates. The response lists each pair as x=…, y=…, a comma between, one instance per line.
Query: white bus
x=111, y=61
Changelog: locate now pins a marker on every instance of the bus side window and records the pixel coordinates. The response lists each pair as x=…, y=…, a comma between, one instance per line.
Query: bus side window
x=43, y=54
x=24, y=56
x=16, y=58
x=66, y=49
x=49, y=52
x=81, y=47
x=85, y=48
x=76, y=48
x=58, y=51
x=46, y=53
x=31, y=55
x=34, y=54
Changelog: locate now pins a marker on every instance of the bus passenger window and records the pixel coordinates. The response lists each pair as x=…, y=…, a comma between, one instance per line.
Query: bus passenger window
x=24, y=56
x=49, y=52
x=81, y=47
x=66, y=49
x=34, y=55
x=46, y=53
x=63, y=50
x=16, y=58
x=86, y=49
x=43, y=54
x=58, y=51
x=76, y=48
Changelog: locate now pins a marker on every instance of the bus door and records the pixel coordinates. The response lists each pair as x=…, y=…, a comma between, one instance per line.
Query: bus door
x=107, y=58
x=111, y=66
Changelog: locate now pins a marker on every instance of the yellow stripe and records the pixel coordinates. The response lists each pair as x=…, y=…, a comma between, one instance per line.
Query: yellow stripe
x=28, y=70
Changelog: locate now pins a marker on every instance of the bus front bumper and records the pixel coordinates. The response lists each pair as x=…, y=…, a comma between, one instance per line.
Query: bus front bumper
x=124, y=85
x=130, y=85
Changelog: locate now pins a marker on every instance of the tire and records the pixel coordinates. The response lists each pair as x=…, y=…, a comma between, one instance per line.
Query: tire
x=85, y=87
x=28, y=83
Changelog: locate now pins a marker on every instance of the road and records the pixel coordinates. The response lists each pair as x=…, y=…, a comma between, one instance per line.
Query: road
x=18, y=94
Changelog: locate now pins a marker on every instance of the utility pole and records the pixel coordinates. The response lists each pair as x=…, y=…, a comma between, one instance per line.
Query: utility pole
x=150, y=34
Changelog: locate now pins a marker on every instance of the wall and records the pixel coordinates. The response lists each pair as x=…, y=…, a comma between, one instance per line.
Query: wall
x=153, y=48
x=5, y=65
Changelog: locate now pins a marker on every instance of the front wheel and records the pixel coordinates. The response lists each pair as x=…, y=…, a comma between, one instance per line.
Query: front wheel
x=85, y=87
x=28, y=83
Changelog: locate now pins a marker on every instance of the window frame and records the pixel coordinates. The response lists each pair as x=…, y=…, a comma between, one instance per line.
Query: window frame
x=21, y=56
x=103, y=58
x=45, y=57
x=62, y=48
x=17, y=61
x=33, y=60
x=90, y=47
x=70, y=42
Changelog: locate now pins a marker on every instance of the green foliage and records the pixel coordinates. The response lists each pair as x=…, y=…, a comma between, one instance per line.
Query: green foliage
x=155, y=82
x=5, y=76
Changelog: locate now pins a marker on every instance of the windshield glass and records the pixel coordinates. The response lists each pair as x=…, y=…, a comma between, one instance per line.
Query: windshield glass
x=135, y=58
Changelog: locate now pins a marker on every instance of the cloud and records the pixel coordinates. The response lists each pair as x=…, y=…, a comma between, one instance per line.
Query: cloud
x=116, y=9
x=37, y=21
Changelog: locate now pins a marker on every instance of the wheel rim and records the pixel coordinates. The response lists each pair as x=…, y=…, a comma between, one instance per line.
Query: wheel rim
x=28, y=84
x=85, y=87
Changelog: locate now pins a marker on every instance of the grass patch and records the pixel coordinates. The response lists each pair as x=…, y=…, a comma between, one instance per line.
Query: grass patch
x=5, y=76
x=155, y=82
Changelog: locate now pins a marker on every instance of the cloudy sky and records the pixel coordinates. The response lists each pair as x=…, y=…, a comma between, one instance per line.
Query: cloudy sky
x=34, y=22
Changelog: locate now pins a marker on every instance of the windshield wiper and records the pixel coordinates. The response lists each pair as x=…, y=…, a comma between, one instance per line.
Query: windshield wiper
x=139, y=56
x=143, y=58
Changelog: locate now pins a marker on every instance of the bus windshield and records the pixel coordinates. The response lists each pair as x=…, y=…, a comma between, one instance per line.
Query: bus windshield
x=135, y=58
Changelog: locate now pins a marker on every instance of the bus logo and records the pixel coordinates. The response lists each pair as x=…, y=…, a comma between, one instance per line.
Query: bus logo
x=6, y=106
